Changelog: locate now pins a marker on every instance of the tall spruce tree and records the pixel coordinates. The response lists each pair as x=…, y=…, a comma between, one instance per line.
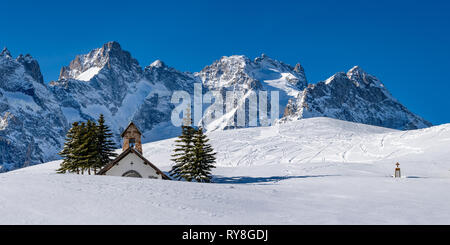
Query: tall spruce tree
x=183, y=150
x=105, y=145
x=71, y=142
x=203, y=158
x=194, y=157
x=74, y=150
x=93, y=158
x=81, y=152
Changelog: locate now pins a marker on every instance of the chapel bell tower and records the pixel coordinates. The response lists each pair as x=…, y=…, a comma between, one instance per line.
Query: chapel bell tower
x=132, y=138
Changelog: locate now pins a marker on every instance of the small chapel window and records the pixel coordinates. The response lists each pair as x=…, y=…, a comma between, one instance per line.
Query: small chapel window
x=132, y=143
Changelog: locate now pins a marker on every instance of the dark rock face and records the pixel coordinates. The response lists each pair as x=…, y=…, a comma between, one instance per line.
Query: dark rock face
x=31, y=67
x=356, y=97
x=32, y=125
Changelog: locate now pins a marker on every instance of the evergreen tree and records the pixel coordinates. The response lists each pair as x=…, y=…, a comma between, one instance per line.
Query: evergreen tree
x=86, y=153
x=81, y=151
x=71, y=142
x=203, y=158
x=183, y=154
x=88, y=147
x=194, y=157
x=106, y=146
x=93, y=159
x=184, y=150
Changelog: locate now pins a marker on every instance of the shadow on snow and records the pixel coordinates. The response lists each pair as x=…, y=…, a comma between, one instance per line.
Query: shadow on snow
x=251, y=180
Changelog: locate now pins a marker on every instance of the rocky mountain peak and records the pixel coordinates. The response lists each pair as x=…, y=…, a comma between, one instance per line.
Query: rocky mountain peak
x=158, y=64
x=356, y=70
x=354, y=96
x=31, y=67
x=356, y=74
x=110, y=55
x=362, y=79
x=234, y=60
x=299, y=68
x=112, y=46
x=262, y=57
x=264, y=62
x=339, y=77
x=5, y=52
x=230, y=72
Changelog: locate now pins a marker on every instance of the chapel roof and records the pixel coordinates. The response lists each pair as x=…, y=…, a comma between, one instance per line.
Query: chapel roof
x=129, y=125
x=124, y=154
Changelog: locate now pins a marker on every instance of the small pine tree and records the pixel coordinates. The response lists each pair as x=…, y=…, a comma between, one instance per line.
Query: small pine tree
x=203, y=158
x=106, y=146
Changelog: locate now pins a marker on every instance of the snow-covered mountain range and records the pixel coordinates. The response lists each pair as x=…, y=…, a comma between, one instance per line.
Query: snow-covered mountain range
x=353, y=96
x=34, y=116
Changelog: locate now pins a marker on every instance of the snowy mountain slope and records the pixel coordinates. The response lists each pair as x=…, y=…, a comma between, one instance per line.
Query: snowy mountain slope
x=313, y=171
x=317, y=142
x=154, y=115
x=107, y=80
x=242, y=76
x=116, y=89
x=32, y=125
x=354, y=96
x=110, y=81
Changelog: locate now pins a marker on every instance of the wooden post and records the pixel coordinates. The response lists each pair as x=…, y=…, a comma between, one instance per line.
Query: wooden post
x=397, y=171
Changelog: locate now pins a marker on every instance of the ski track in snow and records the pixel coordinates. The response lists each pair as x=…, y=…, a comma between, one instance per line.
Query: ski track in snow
x=312, y=171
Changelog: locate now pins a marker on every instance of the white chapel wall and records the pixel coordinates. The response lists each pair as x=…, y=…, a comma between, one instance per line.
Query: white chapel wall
x=124, y=165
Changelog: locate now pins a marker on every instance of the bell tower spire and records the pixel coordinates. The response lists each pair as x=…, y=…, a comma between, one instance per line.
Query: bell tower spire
x=132, y=138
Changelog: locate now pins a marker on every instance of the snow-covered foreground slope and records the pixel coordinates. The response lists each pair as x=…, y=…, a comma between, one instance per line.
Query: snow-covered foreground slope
x=312, y=171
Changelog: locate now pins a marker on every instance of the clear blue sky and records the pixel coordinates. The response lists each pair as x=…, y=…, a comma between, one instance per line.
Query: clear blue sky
x=404, y=43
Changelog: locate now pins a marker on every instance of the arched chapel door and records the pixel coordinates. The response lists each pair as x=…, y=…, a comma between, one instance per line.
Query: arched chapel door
x=132, y=173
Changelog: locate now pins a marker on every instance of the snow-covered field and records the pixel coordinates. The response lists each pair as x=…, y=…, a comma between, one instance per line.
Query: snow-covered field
x=312, y=171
